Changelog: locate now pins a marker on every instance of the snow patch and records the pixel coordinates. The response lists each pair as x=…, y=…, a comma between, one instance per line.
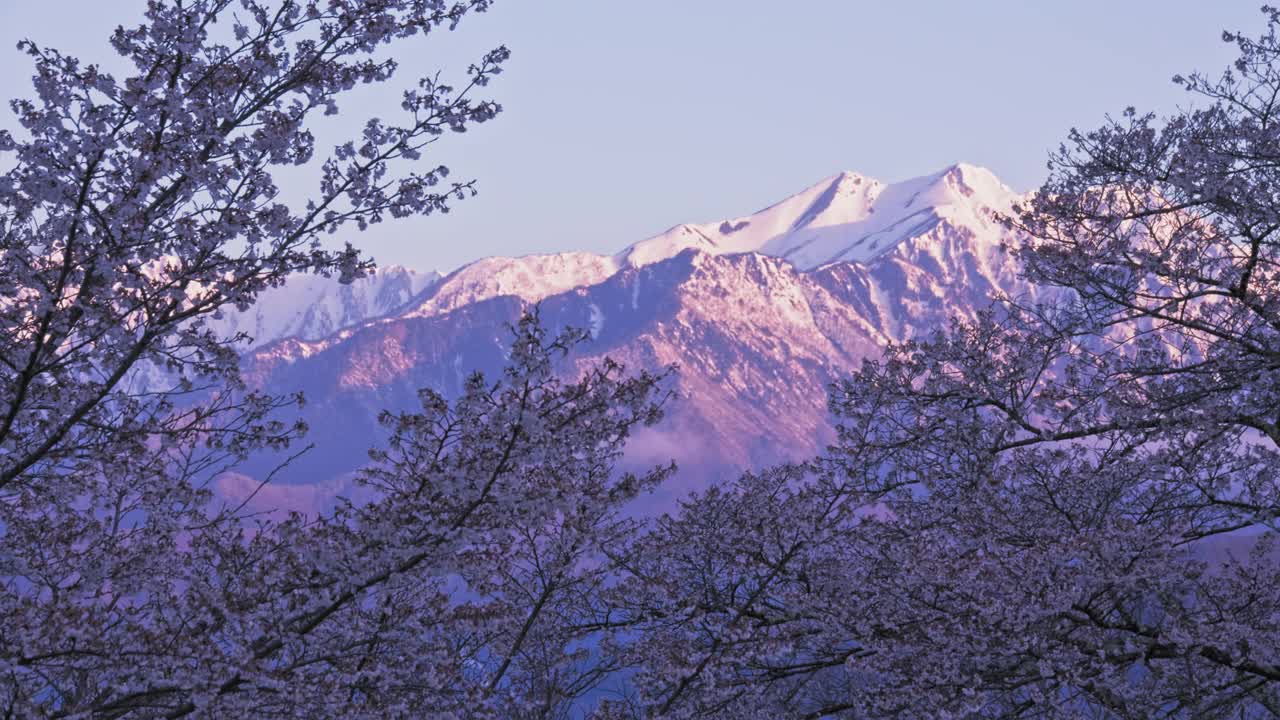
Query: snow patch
x=635, y=293
x=597, y=320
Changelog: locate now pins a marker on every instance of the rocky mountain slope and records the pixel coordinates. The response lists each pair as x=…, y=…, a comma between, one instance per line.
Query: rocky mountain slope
x=761, y=313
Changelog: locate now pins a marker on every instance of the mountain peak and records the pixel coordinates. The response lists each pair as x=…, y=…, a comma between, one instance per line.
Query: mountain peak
x=530, y=278
x=845, y=217
x=970, y=180
x=848, y=180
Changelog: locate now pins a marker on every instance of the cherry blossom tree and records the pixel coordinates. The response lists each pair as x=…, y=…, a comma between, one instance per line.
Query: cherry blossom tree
x=138, y=207
x=132, y=210
x=462, y=589
x=1066, y=508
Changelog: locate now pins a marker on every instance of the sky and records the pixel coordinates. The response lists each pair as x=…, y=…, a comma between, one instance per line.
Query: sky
x=624, y=118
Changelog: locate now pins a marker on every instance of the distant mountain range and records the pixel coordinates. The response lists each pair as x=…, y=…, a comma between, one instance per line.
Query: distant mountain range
x=760, y=312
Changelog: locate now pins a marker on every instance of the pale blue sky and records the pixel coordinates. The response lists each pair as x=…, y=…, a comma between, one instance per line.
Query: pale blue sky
x=624, y=118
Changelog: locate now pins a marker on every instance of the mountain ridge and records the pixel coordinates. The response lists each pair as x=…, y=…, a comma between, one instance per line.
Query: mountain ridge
x=759, y=335
x=310, y=308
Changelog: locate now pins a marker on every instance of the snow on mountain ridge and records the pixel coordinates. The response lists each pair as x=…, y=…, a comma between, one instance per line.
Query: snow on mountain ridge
x=313, y=307
x=841, y=198
x=530, y=278
x=845, y=217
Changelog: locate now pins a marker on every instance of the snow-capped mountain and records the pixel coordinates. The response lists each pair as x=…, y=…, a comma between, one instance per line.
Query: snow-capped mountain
x=313, y=307
x=844, y=218
x=761, y=313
